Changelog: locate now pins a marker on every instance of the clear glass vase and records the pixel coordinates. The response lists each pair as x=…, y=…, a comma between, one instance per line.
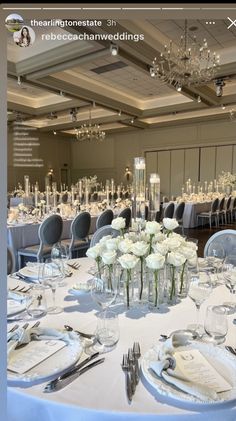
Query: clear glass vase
x=156, y=283
x=140, y=284
x=171, y=286
x=183, y=283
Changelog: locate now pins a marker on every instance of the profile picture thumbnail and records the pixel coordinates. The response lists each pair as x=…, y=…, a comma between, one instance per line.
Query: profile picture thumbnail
x=25, y=37
x=14, y=22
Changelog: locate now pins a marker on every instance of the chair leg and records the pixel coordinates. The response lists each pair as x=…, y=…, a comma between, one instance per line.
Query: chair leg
x=19, y=261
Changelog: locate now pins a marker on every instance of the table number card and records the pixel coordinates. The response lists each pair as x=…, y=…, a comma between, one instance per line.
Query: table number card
x=32, y=354
x=195, y=367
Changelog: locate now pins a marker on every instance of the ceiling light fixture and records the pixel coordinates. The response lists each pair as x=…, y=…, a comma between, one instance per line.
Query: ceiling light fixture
x=199, y=99
x=90, y=131
x=190, y=64
x=52, y=116
x=114, y=49
x=222, y=106
x=54, y=132
x=61, y=93
x=73, y=114
x=19, y=81
x=232, y=115
x=219, y=84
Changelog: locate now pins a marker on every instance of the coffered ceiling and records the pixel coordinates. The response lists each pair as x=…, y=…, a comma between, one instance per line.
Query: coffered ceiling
x=118, y=91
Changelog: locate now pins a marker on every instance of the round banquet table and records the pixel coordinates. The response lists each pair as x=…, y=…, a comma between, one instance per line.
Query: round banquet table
x=99, y=395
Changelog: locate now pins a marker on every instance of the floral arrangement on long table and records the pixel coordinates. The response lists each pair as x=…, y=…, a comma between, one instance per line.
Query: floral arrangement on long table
x=151, y=263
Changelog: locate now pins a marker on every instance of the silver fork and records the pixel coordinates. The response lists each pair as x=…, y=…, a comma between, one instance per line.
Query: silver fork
x=131, y=362
x=137, y=355
x=128, y=381
x=231, y=349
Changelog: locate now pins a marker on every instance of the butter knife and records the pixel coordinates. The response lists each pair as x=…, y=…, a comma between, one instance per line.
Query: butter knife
x=68, y=378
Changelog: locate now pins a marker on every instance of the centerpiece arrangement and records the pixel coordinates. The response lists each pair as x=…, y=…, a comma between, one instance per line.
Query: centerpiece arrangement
x=151, y=264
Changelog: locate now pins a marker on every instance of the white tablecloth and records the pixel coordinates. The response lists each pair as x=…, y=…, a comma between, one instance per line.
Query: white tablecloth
x=99, y=395
x=190, y=212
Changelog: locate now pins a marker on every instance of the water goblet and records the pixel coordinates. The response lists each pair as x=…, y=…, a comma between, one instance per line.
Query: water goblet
x=215, y=258
x=200, y=288
x=216, y=325
x=50, y=275
x=60, y=255
x=229, y=276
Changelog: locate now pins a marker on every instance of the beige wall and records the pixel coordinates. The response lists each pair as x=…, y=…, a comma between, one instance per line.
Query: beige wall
x=109, y=159
x=55, y=152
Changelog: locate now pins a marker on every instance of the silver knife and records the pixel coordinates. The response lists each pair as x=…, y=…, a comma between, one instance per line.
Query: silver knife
x=58, y=384
x=129, y=391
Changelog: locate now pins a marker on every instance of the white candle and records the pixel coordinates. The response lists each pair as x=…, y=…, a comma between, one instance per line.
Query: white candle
x=80, y=190
x=36, y=196
x=205, y=184
x=112, y=188
x=47, y=195
x=72, y=195
x=26, y=179
x=118, y=191
x=194, y=189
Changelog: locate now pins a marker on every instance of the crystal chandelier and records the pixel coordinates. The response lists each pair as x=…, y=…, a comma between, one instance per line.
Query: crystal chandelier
x=90, y=131
x=192, y=64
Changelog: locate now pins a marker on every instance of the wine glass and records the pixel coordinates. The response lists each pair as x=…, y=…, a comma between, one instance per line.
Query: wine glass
x=216, y=325
x=215, y=257
x=50, y=275
x=229, y=276
x=199, y=290
x=60, y=255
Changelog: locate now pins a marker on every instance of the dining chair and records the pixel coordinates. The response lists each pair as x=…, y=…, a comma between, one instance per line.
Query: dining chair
x=169, y=210
x=64, y=198
x=227, y=239
x=10, y=261
x=222, y=211
x=158, y=216
x=102, y=232
x=105, y=218
x=165, y=199
x=126, y=213
x=49, y=233
x=179, y=214
x=212, y=214
x=79, y=230
x=228, y=210
x=233, y=209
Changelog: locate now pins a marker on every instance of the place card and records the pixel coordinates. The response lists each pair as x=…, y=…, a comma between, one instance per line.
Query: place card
x=32, y=354
x=195, y=367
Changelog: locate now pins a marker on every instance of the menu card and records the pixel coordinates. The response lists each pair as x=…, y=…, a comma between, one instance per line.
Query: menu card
x=195, y=367
x=32, y=354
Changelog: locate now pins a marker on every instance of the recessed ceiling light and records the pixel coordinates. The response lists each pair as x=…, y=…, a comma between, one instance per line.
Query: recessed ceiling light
x=114, y=49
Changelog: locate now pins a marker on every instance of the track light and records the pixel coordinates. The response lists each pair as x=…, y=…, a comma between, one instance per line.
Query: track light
x=114, y=49
x=73, y=114
x=19, y=82
x=61, y=93
x=119, y=113
x=132, y=120
x=199, y=99
x=54, y=132
x=178, y=87
x=223, y=107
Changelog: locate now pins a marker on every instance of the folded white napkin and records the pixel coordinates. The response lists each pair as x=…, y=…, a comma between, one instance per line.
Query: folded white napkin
x=165, y=368
x=16, y=296
x=23, y=336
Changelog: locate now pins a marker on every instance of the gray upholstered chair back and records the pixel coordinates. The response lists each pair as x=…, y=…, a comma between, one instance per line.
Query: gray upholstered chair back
x=169, y=210
x=227, y=238
x=105, y=218
x=102, y=232
x=126, y=213
x=64, y=198
x=10, y=261
x=50, y=230
x=222, y=204
x=228, y=203
x=215, y=205
x=234, y=204
x=165, y=199
x=80, y=226
x=179, y=211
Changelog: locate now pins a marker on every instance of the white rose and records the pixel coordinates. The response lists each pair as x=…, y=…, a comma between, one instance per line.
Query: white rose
x=152, y=227
x=170, y=223
x=94, y=252
x=118, y=223
x=176, y=259
x=158, y=238
x=125, y=245
x=132, y=236
x=112, y=244
x=109, y=257
x=187, y=252
x=160, y=248
x=178, y=236
x=128, y=261
x=155, y=261
x=172, y=243
x=192, y=245
x=104, y=239
x=140, y=248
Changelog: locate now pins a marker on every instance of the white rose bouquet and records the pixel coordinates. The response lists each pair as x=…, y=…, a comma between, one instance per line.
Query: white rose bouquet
x=155, y=262
x=152, y=228
x=128, y=262
x=169, y=224
x=119, y=225
x=109, y=258
x=140, y=249
x=95, y=253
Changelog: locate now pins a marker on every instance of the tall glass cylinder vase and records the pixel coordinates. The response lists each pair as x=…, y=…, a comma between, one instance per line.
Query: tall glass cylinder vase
x=139, y=186
x=154, y=195
x=26, y=185
x=156, y=285
x=171, y=286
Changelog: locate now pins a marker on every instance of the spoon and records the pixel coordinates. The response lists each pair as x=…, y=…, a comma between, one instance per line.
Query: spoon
x=84, y=335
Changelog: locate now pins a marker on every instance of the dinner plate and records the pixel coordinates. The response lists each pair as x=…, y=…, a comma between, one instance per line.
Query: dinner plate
x=220, y=359
x=80, y=289
x=50, y=368
x=30, y=272
x=15, y=307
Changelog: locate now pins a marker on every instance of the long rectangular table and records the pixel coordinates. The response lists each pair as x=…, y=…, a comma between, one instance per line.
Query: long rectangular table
x=190, y=212
x=99, y=395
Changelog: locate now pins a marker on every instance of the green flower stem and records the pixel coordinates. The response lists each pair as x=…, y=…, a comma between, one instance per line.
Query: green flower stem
x=182, y=277
x=172, y=291
x=98, y=261
x=141, y=279
x=155, y=286
x=127, y=285
x=122, y=232
x=150, y=244
x=110, y=267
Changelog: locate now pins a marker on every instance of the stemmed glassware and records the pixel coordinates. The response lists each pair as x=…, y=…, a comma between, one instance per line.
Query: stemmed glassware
x=50, y=275
x=229, y=276
x=216, y=325
x=199, y=290
x=215, y=257
x=60, y=255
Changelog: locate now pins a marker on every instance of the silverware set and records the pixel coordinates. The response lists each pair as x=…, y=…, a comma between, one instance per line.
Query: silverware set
x=23, y=289
x=84, y=335
x=231, y=349
x=130, y=366
x=74, y=265
x=73, y=373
